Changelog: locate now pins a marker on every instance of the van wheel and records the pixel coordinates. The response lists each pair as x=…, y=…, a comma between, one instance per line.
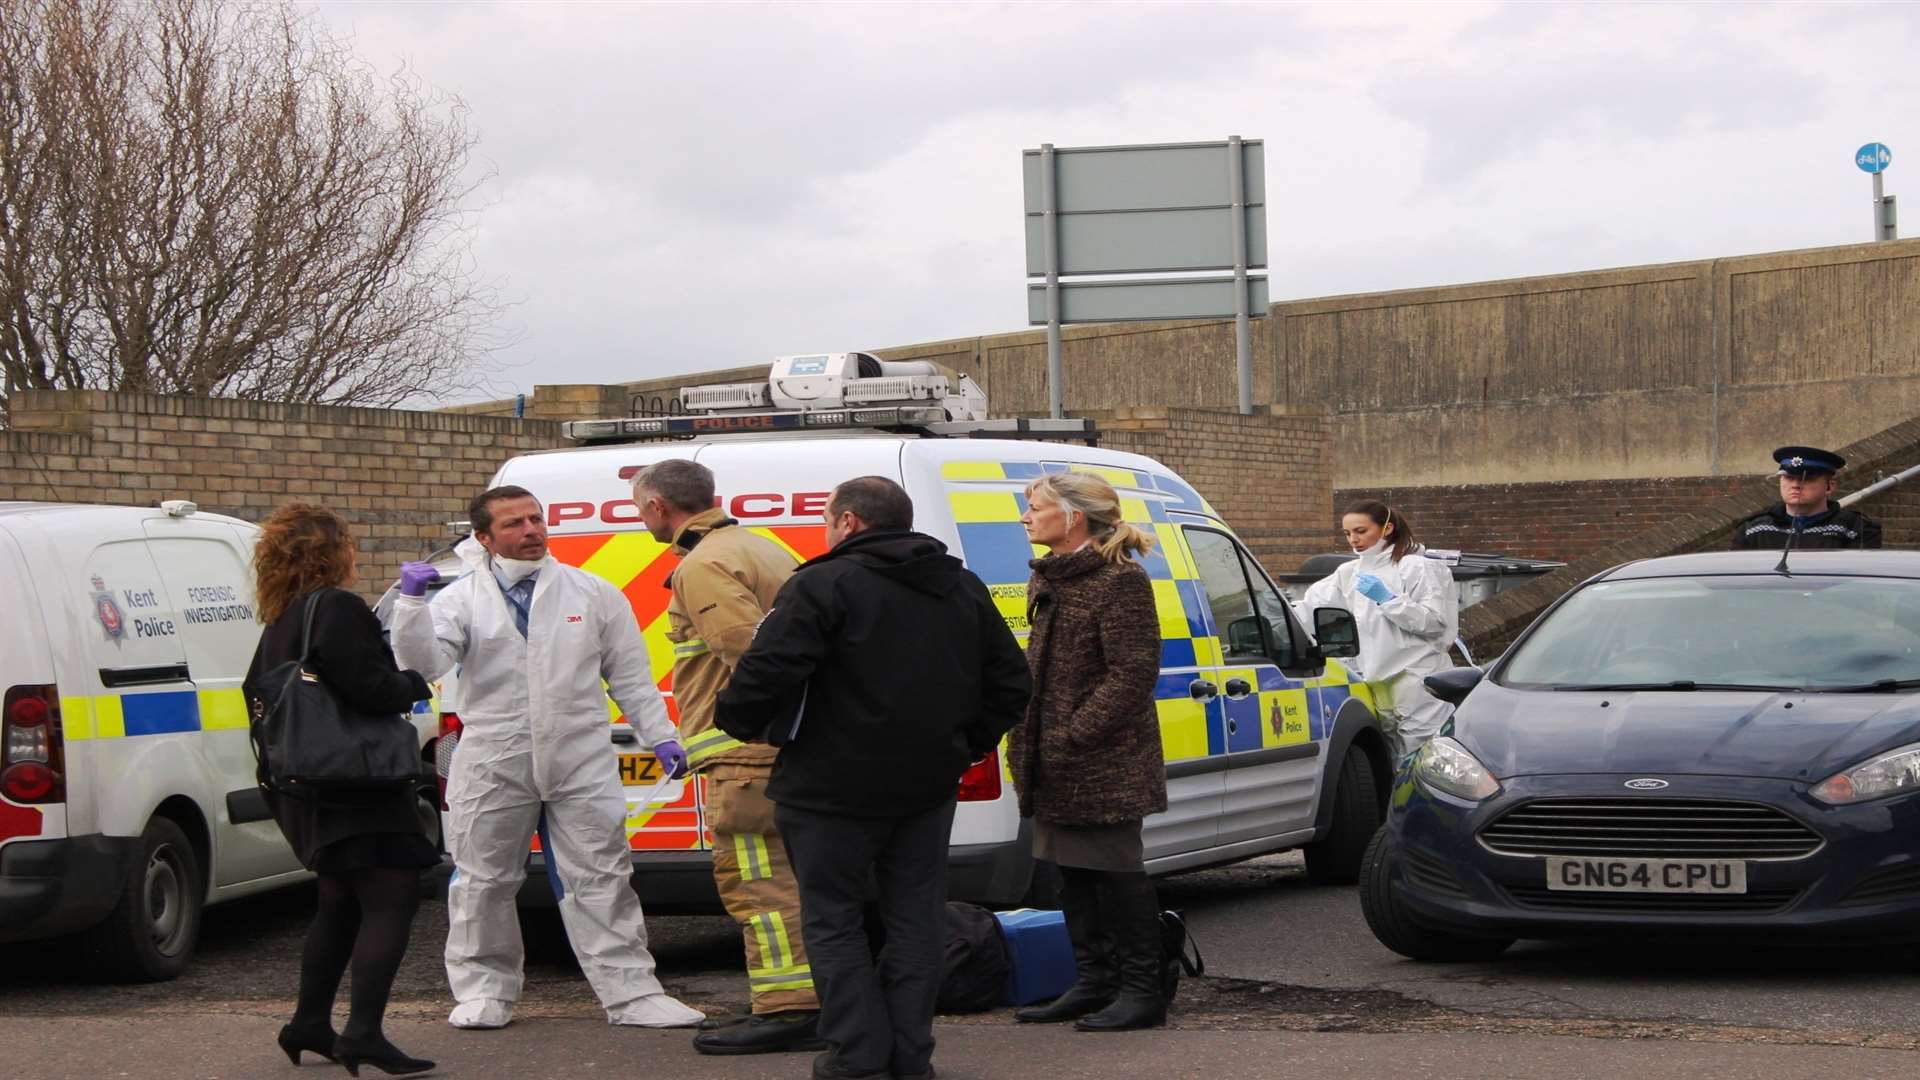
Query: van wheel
x=150, y=934
x=1335, y=858
x=1388, y=919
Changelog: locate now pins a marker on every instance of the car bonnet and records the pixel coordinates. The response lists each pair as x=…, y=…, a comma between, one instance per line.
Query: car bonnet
x=1794, y=736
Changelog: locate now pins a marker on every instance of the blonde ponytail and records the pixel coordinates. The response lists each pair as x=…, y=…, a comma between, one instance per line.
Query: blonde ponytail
x=1117, y=541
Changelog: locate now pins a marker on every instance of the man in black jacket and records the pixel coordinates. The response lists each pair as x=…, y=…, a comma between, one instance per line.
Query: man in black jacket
x=882, y=672
x=1806, y=489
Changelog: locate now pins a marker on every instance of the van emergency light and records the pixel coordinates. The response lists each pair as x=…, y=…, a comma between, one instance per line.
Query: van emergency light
x=825, y=391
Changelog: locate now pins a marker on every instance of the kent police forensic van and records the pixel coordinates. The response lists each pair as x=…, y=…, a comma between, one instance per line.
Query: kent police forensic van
x=1269, y=745
x=127, y=791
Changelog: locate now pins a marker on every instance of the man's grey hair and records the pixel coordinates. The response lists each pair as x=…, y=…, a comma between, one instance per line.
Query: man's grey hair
x=876, y=500
x=684, y=485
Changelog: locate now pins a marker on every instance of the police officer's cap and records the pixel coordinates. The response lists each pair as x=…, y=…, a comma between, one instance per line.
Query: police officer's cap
x=1807, y=461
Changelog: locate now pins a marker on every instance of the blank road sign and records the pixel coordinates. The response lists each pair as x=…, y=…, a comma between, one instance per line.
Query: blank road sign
x=1126, y=209
x=1129, y=301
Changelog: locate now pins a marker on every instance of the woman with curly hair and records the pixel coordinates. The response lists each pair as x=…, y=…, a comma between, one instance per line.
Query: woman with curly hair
x=1087, y=763
x=367, y=847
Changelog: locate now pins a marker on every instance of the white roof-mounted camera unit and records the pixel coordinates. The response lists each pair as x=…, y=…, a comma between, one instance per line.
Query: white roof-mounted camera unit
x=825, y=391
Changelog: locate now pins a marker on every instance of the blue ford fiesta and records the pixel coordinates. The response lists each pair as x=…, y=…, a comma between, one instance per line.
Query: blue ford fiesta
x=1698, y=745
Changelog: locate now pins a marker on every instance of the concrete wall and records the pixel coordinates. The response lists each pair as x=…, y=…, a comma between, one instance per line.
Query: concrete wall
x=1684, y=369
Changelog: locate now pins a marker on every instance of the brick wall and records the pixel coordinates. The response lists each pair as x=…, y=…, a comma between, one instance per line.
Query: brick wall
x=1268, y=474
x=1564, y=520
x=397, y=476
x=1491, y=626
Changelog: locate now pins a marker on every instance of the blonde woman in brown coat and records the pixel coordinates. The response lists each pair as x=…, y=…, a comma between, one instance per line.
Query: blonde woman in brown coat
x=1086, y=761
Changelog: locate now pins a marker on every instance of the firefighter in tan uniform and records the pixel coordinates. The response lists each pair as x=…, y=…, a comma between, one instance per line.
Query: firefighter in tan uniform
x=723, y=587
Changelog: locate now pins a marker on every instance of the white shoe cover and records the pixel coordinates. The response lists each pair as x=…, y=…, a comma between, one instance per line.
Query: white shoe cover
x=655, y=1011
x=481, y=1014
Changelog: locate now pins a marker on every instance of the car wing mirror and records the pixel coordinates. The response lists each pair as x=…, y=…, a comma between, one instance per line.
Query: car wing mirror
x=1454, y=684
x=1336, y=632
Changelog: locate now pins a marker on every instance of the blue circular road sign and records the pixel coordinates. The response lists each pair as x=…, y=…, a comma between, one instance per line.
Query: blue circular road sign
x=1873, y=157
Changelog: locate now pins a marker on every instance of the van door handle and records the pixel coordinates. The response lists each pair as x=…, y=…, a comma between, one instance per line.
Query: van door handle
x=1202, y=690
x=114, y=678
x=624, y=733
x=1237, y=689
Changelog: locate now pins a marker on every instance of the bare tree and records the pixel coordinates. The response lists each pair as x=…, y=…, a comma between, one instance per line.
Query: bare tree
x=215, y=197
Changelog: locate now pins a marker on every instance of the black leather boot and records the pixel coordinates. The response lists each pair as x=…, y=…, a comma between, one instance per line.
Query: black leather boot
x=1094, y=976
x=1130, y=910
x=768, y=1033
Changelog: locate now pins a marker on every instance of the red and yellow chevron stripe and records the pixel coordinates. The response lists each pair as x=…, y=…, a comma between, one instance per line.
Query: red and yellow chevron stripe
x=639, y=566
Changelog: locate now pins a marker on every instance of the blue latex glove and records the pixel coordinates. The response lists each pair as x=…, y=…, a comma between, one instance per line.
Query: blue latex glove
x=672, y=758
x=1372, y=588
x=415, y=577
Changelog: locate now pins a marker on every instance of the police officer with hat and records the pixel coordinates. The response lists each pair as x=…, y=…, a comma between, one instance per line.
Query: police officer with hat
x=1806, y=488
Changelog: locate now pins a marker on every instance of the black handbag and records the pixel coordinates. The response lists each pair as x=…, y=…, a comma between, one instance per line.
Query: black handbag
x=309, y=742
x=1178, y=953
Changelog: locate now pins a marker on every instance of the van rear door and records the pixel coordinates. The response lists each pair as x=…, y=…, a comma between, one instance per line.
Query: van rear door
x=26, y=662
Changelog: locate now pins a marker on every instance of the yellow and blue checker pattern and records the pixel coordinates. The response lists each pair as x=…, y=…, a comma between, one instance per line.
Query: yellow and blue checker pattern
x=987, y=503
x=164, y=712
x=85, y=718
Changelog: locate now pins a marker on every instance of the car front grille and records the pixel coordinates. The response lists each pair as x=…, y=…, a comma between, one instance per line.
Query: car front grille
x=1650, y=829
x=1751, y=902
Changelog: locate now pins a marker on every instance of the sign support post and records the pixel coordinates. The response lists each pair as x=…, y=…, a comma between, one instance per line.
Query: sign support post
x=1874, y=159
x=1050, y=232
x=1242, y=333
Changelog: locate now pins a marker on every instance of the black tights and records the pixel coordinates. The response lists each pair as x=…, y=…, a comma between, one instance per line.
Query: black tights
x=365, y=916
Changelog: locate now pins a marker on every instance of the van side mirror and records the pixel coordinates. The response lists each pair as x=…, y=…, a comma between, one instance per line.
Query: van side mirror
x=1336, y=632
x=1454, y=684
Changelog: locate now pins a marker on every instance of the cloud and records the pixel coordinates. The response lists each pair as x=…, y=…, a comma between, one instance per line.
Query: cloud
x=680, y=187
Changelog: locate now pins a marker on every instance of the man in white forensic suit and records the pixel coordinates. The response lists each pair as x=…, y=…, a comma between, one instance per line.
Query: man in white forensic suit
x=534, y=639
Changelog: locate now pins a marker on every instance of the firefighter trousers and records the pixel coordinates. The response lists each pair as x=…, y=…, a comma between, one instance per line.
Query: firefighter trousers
x=755, y=880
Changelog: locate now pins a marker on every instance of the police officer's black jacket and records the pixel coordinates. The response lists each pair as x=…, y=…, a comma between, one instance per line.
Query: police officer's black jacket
x=1837, y=528
x=882, y=672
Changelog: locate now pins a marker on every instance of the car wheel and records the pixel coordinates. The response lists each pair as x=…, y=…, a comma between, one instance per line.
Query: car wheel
x=150, y=934
x=1336, y=858
x=1390, y=922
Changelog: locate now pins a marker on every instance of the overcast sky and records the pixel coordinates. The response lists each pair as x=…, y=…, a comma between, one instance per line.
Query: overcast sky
x=680, y=187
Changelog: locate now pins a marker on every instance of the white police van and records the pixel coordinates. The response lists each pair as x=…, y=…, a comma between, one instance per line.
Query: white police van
x=1269, y=744
x=127, y=793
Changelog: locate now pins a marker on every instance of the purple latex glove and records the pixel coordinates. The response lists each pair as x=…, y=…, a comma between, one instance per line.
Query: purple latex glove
x=672, y=758
x=415, y=577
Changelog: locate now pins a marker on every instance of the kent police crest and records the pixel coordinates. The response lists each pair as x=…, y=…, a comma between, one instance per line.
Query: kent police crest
x=106, y=610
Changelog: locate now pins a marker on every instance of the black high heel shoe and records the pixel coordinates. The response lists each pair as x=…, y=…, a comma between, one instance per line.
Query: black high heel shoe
x=379, y=1053
x=316, y=1040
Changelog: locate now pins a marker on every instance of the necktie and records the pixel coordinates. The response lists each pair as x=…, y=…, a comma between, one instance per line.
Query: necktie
x=520, y=599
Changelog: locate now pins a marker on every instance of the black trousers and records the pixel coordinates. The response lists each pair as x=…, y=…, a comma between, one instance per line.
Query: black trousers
x=876, y=1013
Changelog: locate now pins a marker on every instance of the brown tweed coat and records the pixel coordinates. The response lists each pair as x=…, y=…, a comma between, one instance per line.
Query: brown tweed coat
x=1088, y=751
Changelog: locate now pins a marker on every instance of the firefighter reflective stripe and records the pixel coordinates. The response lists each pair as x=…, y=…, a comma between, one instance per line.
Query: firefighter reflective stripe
x=750, y=851
x=708, y=744
x=164, y=712
x=686, y=650
x=792, y=977
x=770, y=933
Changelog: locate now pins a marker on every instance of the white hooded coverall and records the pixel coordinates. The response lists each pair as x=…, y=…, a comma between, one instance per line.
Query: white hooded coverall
x=536, y=735
x=1402, y=640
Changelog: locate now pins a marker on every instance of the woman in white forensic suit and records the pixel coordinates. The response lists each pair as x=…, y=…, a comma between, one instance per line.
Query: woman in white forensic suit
x=534, y=638
x=1407, y=609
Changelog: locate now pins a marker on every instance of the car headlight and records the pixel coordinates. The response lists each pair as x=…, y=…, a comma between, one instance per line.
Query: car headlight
x=1889, y=774
x=1447, y=766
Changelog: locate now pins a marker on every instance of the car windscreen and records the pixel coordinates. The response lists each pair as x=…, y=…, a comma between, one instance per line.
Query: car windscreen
x=1732, y=632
